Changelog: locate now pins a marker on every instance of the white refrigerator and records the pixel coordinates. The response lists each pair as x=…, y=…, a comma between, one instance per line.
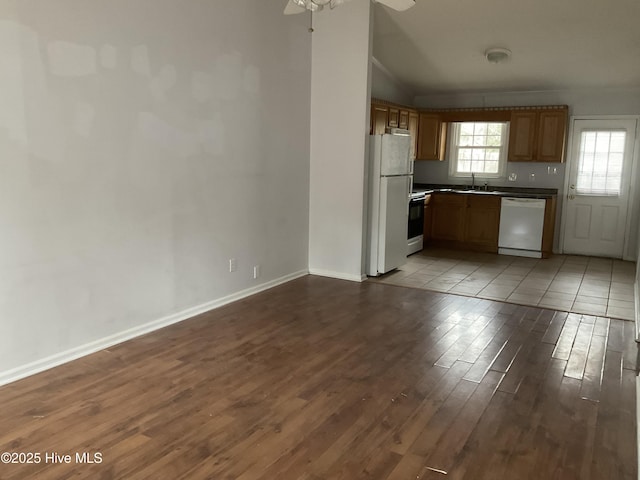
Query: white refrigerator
x=390, y=178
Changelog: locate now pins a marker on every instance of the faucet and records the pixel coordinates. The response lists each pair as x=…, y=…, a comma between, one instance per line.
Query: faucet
x=473, y=181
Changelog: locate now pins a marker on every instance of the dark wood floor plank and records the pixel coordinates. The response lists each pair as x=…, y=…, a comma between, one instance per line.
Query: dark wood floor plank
x=321, y=379
x=631, y=347
x=406, y=434
x=409, y=466
x=579, y=351
x=627, y=437
x=604, y=463
x=490, y=353
x=535, y=454
x=554, y=329
x=615, y=340
x=530, y=361
x=442, y=419
x=471, y=333
x=482, y=341
x=601, y=326
x=592, y=378
x=443, y=455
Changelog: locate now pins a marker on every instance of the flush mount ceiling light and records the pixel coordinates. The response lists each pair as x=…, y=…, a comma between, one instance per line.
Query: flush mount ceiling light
x=497, y=55
x=299, y=6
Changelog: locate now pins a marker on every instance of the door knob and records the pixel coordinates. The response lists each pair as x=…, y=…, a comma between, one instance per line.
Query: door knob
x=571, y=197
x=572, y=187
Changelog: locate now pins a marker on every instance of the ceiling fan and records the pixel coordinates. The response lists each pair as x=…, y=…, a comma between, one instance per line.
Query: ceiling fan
x=300, y=6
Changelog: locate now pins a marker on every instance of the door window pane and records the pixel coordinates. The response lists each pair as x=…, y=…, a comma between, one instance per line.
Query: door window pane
x=600, y=162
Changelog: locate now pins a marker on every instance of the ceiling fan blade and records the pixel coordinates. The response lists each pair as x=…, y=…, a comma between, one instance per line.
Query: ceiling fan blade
x=399, y=5
x=292, y=8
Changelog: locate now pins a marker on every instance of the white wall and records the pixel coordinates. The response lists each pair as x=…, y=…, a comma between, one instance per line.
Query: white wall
x=142, y=145
x=339, y=128
x=385, y=86
x=580, y=102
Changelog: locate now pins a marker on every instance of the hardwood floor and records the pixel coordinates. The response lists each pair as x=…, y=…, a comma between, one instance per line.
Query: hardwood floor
x=325, y=379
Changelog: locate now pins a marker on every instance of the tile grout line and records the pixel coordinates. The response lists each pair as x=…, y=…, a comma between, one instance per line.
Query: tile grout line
x=480, y=263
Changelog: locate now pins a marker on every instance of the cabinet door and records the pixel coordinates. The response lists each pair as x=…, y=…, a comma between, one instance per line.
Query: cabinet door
x=413, y=129
x=394, y=117
x=522, y=136
x=427, y=218
x=552, y=131
x=448, y=216
x=431, y=137
x=483, y=222
x=548, y=228
x=379, y=119
x=403, y=119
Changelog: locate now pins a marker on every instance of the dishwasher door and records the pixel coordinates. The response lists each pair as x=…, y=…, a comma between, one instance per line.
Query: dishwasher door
x=521, y=224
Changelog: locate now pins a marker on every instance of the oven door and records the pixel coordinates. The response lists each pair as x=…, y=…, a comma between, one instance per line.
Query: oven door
x=416, y=218
x=415, y=235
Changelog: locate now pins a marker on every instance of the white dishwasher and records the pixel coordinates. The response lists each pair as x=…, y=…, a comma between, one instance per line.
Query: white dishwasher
x=521, y=223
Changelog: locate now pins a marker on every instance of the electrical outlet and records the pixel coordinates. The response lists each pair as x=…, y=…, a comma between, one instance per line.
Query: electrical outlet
x=233, y=265
x=256, y=271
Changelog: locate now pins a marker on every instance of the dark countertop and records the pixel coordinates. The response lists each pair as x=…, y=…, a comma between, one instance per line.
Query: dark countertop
x=520, y=192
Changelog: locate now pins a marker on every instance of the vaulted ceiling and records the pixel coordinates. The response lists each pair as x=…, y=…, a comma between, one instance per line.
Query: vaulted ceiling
x=438, y=45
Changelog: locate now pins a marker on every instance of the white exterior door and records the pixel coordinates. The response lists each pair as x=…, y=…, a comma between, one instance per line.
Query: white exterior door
x=599, y=172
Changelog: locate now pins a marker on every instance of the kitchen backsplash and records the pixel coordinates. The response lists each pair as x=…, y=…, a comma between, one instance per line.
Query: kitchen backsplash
x=527, y=174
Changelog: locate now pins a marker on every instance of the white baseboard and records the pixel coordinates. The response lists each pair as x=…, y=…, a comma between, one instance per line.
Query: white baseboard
x=636, y=294
x=638, y=416
x=338, y=275
x=106, y=342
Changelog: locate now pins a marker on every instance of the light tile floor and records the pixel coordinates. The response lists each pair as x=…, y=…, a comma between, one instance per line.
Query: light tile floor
x=587, y=285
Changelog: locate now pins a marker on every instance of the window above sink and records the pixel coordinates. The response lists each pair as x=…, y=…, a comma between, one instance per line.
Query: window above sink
x=478, y=150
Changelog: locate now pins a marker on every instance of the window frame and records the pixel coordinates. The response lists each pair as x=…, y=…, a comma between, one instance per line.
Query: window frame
x=452, y=154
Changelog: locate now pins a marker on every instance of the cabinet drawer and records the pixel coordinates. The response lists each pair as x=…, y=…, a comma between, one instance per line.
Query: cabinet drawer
x=483, y=201
x=454, y=199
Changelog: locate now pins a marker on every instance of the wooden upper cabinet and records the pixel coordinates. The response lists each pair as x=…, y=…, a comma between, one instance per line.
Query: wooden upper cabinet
x=379, y=118
x=387, y=115
x=522, y=136
x=538, y=135
x=403, y=119
x=431, y=137
x=552, y=132
x=394, y=117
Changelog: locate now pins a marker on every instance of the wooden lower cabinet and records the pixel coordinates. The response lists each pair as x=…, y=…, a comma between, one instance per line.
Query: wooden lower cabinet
x=548, y=230
x=482, y=223
x=472, y=222
x=448, y=217
x=469, y=221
